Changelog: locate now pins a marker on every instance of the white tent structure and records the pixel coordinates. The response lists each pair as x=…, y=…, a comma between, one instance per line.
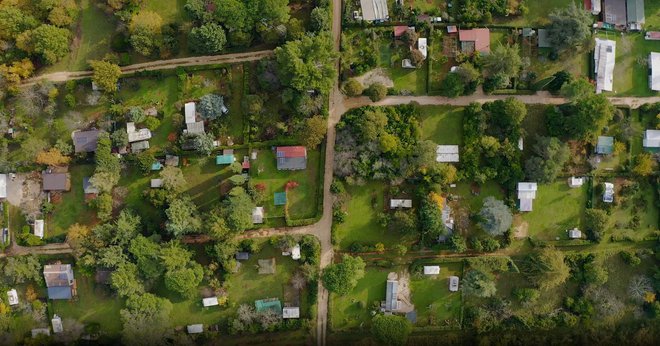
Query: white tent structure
x=526, y=195
x=291, y=312
x=400, y=203
x=654, y=71
x=39, y=228
x=604, y=59
x=431, y=270
x=651, y=139
x=422, y=46
x=447, y=153
x=374, y=10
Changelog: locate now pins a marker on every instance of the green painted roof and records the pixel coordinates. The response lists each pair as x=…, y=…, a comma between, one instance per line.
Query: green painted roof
x=224, y=159
x=280, y=198
x=268, y=304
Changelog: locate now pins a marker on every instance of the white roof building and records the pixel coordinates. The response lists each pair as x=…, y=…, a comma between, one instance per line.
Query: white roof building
x=39, y=228
x=654, y=70
x=156, y=183
x=604, y=56
x=295, y=252
x=574, y=233
x=651, y=139
x=292, y=312
x=422, y=46
x=447, y=153
x=595, y=7
x=608, y=194
x=431, y=270
x=400, y=203
x=212, y=301
x=575, y=182
x=12, y=297
x=374, y=10
x=190, y=112
x=57, y=324
x=526, y=195
x=453, y=283
x=258, y=215
x=135, y=135
x=40, y=331
x=195, y=328
x=3, y=186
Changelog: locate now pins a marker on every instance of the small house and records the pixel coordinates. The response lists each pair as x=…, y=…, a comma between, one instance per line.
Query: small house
x=594, y=7
x=156, y=166
x=295, y=252
x=139, y=146
x=452, y=29
x=85, y=141
x=431, y=270
x=195, y=329
x=574, y=233
x=652, y=36
x=226, y=158
x=605, y=145
x=453, y=283
x=59, y=281
x=12, y=297
x=88, y=188
x=635, y=14
x=268, y=304
x=544, y=39
x=291, y=158
x=291, y=312
x=651, y=141
x=56, y=182
x=575, y=182
x=242, y=256
x=391, y=296
x=39, y=331
x=39, y=228
x=604, y=60
x=422, y=46
x=211, y=301
x=190, y=112
x=608, y=194
x=447, y=153
x=474, y=40
x=156, y=183
x=400, y=203
x=136, y=135
x=654, y=71
x=374, y=10
x=279, y=198
x=258, y=215
x=171, y=160
x=399, y=30
x=614, y=12
x=526, y=195
x=195, y=128
x=56, y=322
x=3, y=186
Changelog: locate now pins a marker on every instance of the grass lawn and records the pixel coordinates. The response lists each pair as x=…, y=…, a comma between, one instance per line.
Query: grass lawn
x=442, y=124
x=433, y=301
x=475, y=202
x=91, y=40
x=405, y=80
x=205, y=178
x=361, y=223
x=171, y=11
x=135, y=184
x=302, y=200
x=346, y=312
x=652, y=13
x=95, y=304
x=575, y=62
x=428, y=6
x=538, y=13
x=632, y=52
x=557, y=208
x=72, y=208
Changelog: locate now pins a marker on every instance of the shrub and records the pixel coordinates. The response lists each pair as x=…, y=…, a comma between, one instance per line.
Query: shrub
x=377, y=92
x=353, y=88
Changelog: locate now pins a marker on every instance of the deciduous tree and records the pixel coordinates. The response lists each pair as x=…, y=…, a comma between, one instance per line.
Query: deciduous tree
x=105, y=75
x=342, y=277
x=207, y=39
x=546, y=268
x=312, y=134
x=182, y=217
x=496, y=217
x=479, y=284
x=308, y=63
x=391, y=329
x=52, y=157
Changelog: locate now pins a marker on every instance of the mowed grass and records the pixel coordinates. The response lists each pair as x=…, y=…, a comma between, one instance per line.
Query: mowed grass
x=557, y=208
x=92, y=35
x=405, y=79
x=631, y=70
x=205, y=178
x=351, y=311
x=538, y=12
x=442, y=124
x=171, y=11
x=475, y=202
x=73, y=207
x=95, y=304
x=426, y=6
x=302, y=200
x=433, y=301
x=652, y=14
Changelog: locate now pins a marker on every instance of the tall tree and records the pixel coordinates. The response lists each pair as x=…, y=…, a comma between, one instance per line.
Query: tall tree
x=308, y=63
x=145, y=29
x=504, y=62
x=546, y=268
x=146, y=320
x=48, y=41
x=173, y=179
x=105, y=75
x=313, y=132
x=238, y=207
x=182, y=217
x=23, y=268
x=207, y=39
x=233, y=14
x=479, y=284
x=550, y=156
x=391, y=329
x=496, y=217
x=125, y=280
x=342, y=277
x=569, y=27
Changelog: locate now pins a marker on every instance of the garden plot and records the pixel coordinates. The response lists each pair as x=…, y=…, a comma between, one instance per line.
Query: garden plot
x=436, y=306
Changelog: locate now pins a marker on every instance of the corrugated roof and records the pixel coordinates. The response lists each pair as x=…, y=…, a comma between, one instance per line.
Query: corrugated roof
x=374, y=10
x=480, y=37
x=654, y=66
x=85, y=141
x=635, y=11
x=604, y=60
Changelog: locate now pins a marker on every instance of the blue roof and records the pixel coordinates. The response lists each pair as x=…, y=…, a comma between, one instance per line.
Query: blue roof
x=156, y=166
x=62, y=292
x=280, y=198
x=224, y=159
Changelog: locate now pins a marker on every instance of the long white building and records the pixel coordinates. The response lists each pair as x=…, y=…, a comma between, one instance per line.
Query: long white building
x=654, y=71
x=374, y=10
x=604, y=58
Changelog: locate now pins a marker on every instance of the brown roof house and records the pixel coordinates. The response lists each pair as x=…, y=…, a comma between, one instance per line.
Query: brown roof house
x=60, y=281
x=85, y=141
x=475, y=40
x=56, y=181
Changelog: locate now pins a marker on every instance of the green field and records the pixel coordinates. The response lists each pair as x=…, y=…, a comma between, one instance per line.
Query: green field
x=206, y=180
x=73, y=207
x=405, y=80
x=171, y=13
x=303, y=200
x=538, y=13
x=652, y=13
x=557, y=208
x=442, y=124
x=351, y=311
x=434, y=303
x=475, y=202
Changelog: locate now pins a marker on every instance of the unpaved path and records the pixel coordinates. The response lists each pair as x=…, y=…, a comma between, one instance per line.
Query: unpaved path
x=158, y=65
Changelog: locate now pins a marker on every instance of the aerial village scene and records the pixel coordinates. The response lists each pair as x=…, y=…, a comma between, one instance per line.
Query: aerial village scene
x=328, y=172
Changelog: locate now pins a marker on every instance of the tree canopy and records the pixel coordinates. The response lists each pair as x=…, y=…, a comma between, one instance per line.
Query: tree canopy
x=569, y=27
x=308, y=63
x=342, y=277
x=479, y=284
x=391, y=329
x=207, y=39
x=546, y=268
x=496, y=217
x=182, y=217
x=105, y=75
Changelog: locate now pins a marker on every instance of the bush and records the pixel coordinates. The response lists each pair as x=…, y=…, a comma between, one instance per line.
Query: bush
x=377, y=92
x=152, y=123
x=630, y=258
x=353, y=88
x=526, y=295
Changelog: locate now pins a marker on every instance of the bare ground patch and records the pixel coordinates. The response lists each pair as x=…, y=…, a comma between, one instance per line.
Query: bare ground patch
x=377, y=75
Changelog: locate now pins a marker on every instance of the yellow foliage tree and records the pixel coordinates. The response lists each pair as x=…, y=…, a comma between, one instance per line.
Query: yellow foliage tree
x=30, y=294
x=380, y=247
x=649, y=297
x=52, y=157
x=438, y=200
x=14, y=73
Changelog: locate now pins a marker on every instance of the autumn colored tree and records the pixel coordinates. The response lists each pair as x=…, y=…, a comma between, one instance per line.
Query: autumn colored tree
x=52, y=157
x=105, y=75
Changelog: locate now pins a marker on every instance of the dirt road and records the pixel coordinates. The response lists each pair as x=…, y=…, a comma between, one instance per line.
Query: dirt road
x=158, y=65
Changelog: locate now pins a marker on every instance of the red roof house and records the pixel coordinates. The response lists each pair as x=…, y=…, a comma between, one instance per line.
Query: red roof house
x=399, y=30
x=291, y=158
x=475, y=40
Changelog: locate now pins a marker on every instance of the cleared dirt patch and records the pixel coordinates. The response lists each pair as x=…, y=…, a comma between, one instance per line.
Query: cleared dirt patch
x=374, y=76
